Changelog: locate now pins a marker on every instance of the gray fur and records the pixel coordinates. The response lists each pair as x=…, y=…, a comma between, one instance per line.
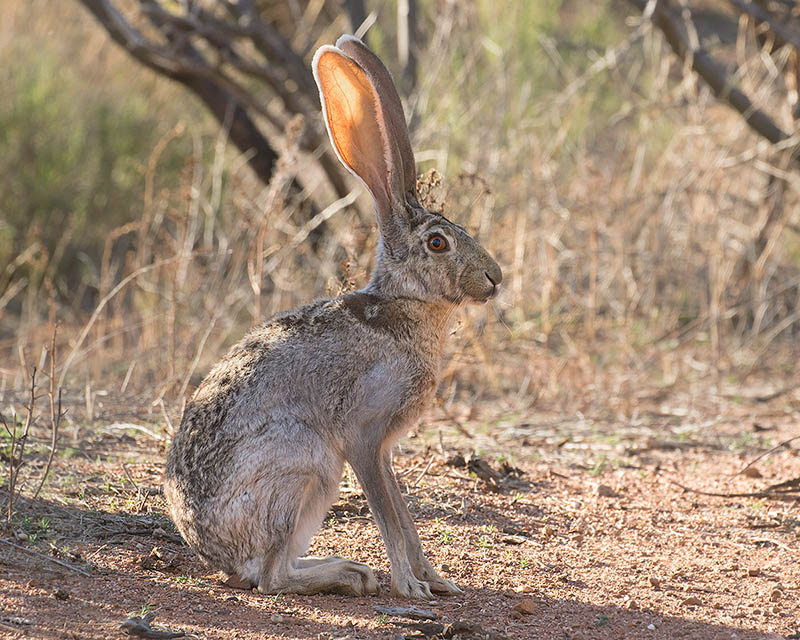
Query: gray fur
x=259, y=454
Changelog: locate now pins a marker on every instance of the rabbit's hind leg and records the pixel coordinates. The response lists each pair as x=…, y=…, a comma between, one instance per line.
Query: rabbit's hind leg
x=288, y=573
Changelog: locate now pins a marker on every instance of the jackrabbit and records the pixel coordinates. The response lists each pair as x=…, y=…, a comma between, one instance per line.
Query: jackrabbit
x=257, y=460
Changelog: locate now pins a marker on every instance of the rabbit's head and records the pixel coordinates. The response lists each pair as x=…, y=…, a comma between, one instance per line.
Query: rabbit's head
x=421, y=253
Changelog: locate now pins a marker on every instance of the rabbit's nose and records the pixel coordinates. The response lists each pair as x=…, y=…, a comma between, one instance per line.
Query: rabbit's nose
x=494, y=274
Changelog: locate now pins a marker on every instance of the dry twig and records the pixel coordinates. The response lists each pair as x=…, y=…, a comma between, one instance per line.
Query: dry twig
x=766, y=453
x=16, y=457
x=34, y=552
x=55, y=412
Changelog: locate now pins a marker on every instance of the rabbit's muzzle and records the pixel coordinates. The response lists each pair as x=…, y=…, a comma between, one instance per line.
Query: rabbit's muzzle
x=482, y=284
x=495, y=277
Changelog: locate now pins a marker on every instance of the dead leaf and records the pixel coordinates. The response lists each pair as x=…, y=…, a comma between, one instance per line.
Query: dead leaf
x=526, y=606
x=604, y=491
x=158, y=560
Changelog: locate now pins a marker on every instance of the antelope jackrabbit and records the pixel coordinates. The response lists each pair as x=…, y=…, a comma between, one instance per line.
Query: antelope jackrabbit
x=259, y=454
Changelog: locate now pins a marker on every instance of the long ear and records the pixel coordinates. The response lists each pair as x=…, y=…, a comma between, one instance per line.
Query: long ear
x=359, y=129
x=390, y=102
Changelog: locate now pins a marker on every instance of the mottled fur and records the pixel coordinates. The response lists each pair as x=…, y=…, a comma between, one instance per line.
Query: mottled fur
x=259, y=454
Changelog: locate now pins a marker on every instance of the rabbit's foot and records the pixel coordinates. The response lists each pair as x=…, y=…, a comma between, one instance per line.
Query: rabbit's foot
x=443, y=585
x=333, y=576
x=409, y=587
x=425, y=572
x=358, y=579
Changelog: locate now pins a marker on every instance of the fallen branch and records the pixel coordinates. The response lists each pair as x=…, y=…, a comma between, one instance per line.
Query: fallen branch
x=140, y=626
x=766, y=453
x=66, y=565
x=784, y=488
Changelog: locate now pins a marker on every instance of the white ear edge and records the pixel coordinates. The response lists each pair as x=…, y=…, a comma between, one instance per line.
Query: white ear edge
x=314, y=69
x=345, y=37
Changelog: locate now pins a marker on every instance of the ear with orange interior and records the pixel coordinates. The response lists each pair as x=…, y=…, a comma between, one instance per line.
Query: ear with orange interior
x=390, y=101
x=359, y=129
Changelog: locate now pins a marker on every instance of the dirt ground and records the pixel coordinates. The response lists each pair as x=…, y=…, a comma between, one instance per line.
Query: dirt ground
x=556, y=528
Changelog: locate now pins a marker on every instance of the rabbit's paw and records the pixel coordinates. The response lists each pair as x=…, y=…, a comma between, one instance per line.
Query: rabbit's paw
x=358, y=579
x=443, y=585
x=409, y=587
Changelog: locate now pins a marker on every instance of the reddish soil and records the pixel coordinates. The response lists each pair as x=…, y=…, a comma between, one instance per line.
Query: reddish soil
x=595, y=539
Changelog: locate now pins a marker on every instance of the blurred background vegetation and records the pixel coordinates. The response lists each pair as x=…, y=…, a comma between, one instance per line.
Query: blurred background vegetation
x=648, y=236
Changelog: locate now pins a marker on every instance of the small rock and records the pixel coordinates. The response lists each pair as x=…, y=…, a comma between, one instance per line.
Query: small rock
x=776, y=595
x=752, y=472
x=445, y=568
x=651, y=627
x=604, y=491
x=526, y=606
x=655, y=582
x=754, y=572
x=20, y=535
x=61, y=594
x=277, y=618
x=692, y=601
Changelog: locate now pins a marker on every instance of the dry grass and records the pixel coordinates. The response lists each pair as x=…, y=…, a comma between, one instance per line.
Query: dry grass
x=627, y=207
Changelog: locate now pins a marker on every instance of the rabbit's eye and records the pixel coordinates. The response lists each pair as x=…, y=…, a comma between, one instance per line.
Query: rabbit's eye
x=437, y=243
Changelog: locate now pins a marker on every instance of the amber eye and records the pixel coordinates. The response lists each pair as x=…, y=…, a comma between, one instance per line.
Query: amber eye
x=438, y=243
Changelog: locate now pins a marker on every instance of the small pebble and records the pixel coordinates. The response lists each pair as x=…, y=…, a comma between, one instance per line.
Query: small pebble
x=277, y=618
x=655, y=582
x=651, y=627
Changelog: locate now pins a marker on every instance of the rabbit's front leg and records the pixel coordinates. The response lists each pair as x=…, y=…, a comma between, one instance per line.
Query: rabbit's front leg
x=369, y=470
x=416, y=556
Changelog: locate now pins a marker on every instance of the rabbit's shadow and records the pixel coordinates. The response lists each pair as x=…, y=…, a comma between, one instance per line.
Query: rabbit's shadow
x=102, y=580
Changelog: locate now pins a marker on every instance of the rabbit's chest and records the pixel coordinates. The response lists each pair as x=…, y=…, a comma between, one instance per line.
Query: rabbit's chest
x=396, y=391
